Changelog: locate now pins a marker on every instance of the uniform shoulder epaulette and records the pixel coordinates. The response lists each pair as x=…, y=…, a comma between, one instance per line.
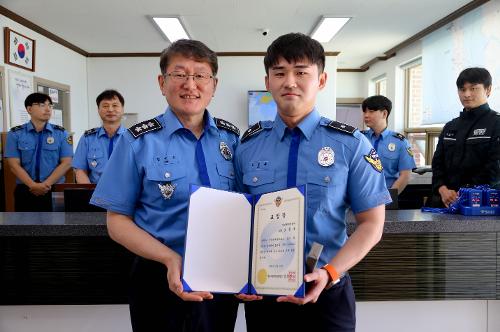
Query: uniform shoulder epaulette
x=400, y=136
x=223, y=124
x=91, y=131
x=145, y=127
x=58, y=127
x=16, y=128
x=255, y=129
x=344, y=127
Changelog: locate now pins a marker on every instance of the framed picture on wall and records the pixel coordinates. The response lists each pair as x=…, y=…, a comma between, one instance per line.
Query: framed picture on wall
x=19, y=50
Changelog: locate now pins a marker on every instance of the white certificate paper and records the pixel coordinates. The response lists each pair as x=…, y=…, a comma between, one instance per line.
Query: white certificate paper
x=278, y=243
x=228, y=252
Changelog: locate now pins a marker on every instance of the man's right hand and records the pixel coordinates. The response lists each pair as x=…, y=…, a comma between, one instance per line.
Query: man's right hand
x=174, y=266
x=447, y=196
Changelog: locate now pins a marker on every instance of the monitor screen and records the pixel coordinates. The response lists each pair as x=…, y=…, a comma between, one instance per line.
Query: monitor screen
x=261, y=107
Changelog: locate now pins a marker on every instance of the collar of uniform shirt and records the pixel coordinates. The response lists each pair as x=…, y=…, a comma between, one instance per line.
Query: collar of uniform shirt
x=306, y=126
x=47, y=126
x=102, y=131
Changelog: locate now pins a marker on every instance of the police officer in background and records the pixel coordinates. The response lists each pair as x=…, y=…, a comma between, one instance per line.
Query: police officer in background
x=393, y=148
x=146, y=186
x=39, y=154
x=468, y=150
x=340, y=168
x=96, y=145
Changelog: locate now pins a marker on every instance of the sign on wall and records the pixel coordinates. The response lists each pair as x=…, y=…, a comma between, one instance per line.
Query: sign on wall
x=20, y=86
x=19, y=50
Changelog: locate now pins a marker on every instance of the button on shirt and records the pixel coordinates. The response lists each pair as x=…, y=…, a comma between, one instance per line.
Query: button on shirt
x=140, y=167
x=393, y=152
x=22, y=143
x=261, y=164
x=92, y=152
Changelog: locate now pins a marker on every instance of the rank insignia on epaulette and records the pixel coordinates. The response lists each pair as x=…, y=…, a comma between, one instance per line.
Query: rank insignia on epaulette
x=256, y=128
x=342, y=127
x=58, y=127
x=373, y=159
x=227, y=125
x=145, y=127
x=90, y=131
x=398, y=135
x=410, y=152
x=16, y=128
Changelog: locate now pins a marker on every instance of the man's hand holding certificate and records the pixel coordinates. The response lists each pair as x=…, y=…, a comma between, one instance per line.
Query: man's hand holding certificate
x=239, y=243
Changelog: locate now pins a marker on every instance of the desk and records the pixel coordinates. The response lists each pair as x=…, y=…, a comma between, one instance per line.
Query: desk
x=68, y=258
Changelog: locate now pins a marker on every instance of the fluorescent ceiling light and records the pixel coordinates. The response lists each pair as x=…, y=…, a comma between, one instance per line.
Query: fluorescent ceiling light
x=328, y=27
x=171, y=27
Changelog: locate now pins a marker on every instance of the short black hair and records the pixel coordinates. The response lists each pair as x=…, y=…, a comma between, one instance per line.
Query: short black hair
x=295, y=47
x=474, y=75
x=36, y=97
x=377, y=103
x=108, y=95
x=192, y=49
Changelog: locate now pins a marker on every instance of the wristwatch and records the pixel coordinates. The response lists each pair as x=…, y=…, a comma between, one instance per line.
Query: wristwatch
x=334, y=275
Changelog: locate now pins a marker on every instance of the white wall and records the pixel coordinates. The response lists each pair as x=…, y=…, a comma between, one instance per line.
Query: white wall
x=136, y=79
x=56, y=63
x=351, y=85
x=391, y=316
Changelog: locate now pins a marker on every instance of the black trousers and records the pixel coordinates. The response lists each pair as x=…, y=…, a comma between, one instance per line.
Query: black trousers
x=334, y=311
x=25, y=201
x=153, y=307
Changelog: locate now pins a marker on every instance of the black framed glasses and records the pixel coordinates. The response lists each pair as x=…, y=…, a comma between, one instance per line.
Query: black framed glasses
x=179, y=76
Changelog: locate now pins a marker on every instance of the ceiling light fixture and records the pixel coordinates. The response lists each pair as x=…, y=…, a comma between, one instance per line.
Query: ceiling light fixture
x=171, y=27
x=328, y=27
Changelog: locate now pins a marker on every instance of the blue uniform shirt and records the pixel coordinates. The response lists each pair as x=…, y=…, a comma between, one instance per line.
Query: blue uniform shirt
x=22, y=143
x=351, y=176
x=394, y=151
x=92, y=152
x=153, y=164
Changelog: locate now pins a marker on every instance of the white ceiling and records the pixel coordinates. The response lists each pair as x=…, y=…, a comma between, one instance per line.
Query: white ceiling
x=110, y=26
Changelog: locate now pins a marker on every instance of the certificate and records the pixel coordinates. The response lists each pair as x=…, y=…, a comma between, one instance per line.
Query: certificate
x=241, y=243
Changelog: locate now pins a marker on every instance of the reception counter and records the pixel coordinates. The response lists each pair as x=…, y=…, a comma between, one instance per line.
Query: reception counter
x=68, y=258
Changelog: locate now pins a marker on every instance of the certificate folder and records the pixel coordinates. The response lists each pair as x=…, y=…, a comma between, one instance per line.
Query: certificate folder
x=241, y=243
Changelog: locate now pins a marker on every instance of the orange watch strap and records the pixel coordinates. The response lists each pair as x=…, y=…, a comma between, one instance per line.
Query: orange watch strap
x=334, y=275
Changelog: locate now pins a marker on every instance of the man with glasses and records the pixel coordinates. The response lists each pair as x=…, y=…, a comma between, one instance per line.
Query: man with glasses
x=95, y=147
x=146, y=187
x=39, y=154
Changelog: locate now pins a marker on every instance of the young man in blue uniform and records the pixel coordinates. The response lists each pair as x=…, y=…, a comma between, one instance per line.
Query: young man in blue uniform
x=468, y=150
x=146, y=186
x=39, y=154
x=95, y=147
x=340, y=168
x=393, y=148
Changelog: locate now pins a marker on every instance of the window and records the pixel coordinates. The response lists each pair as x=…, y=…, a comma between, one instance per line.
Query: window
x=423, y=138
x=381, y=86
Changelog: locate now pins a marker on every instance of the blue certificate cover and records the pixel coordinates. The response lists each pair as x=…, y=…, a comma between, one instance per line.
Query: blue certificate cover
x=241, y=243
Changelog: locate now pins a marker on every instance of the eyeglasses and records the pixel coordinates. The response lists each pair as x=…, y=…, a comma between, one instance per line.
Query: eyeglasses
x=178, y=76
x=50, y=106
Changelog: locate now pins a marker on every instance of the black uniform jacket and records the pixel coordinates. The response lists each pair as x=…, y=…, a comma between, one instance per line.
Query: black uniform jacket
x=468, y=151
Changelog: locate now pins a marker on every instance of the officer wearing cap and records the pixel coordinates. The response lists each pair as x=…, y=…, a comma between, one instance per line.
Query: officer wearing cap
x=39, y=154
x=393, y=148
x=340, y=169
x=146, y=186
x=95, y=147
